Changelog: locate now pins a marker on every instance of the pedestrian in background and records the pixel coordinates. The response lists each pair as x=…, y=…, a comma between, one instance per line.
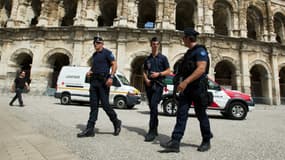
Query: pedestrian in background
x=18, y=87
x=100, y=82
x=156, y=67
x=192, y=90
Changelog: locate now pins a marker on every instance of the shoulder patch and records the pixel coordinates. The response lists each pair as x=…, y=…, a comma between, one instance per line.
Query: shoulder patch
x=203, y=53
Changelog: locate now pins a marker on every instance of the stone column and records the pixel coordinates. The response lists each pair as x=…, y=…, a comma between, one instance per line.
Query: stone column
x=275, y=79
x=168, y=21
x=121, y=54
x=208, y=18
x=80, y=13
x=78, y=47
x=242, y=19
x=39, y=70
x=122, y=13
x=132, y=13
x=43, y=18
x=91, y=11
x=159, y=14
x=245, y=74
x=200, y=17
x=235, y=32
x=13, y=16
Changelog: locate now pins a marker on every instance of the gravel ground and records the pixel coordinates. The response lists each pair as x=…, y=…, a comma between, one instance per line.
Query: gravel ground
x=259, y=137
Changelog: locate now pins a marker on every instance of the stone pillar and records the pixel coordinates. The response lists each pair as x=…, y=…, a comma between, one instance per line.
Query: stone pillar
x=132, y=13
x=275, y=79
x=271, y=33
x=235, y=32
x=269, y=89
x=242, y=19
x=122, y=13
x=39, y=70
x=13, y=16
x=159, y=14
x=78, y=47
x=168, y=21
x=91, y=11
x=245, y=74
x=80, y=13
x=43, y=18
x=208, y=18
x=200, y=13
x=121, y=55
x=165, y=44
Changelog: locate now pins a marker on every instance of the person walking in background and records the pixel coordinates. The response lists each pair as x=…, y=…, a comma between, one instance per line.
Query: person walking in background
x=156, y=67
x=18, y=87
x=100, y=82
x=192, y=89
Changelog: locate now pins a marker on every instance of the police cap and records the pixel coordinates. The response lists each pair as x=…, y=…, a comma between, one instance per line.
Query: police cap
x=154, y=39
x=190, y=32
x=98, y=39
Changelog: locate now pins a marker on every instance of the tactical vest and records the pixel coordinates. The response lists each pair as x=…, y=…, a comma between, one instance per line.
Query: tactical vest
x=185, y=66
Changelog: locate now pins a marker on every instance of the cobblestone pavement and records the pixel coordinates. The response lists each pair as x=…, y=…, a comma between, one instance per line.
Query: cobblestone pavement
x=44, y=129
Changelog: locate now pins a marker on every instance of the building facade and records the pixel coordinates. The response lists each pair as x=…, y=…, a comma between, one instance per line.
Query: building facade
x=245, y=39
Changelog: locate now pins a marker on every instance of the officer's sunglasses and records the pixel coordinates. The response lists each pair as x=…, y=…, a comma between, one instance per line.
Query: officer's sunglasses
x=97, y=43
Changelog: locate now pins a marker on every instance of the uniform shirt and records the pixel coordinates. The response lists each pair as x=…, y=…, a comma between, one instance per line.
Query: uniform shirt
x=158, y=63
x=20, y=82
x=102, y=61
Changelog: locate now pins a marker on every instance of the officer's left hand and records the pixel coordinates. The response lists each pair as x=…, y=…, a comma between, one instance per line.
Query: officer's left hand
x=154, y=74
x=181, y=87
x=109, y=82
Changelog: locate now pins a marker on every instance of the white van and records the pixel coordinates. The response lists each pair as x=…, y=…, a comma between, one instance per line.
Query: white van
x=73, y=85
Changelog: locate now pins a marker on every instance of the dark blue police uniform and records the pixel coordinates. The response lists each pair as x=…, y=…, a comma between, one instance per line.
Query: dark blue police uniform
x=195, y=92
x=98, y=89
x=154, y=92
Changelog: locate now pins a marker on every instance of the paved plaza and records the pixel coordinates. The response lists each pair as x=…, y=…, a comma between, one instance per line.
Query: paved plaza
x=46, y=130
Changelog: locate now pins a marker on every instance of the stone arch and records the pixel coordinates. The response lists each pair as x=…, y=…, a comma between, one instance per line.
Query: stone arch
x=23, y=59
x=186, y=14
x=222, y=17
x=108, y=10
x=70, y=7
x=260, y=77
x=279, y=22
x=147, y=13
x=255, y=23
x=282, y=83
x=225, y=73
x=136, y=76
x=55, y=59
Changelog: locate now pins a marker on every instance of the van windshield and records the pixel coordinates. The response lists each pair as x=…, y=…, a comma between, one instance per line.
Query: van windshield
x=123, y=79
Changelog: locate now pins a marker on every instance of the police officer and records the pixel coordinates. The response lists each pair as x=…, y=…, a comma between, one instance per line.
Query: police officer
x=192, y=90
x=100, y=82
x=156, y=67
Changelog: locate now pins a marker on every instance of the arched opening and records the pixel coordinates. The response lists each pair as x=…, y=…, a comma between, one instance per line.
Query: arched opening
x=56, y=61
x=137, y=73
x=70, y=7
x=222, y=17
x=259, y=84
x=5, y=11
x=24, y=63
x=282, y=85
x=147, y=13
x=254, y=23
x=279, y=22
x=185, y=11
x=225, y=75
x=37, y=7
x=108, y=12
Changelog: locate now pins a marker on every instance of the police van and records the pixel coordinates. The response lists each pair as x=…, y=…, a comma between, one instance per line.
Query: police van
x=73, y=86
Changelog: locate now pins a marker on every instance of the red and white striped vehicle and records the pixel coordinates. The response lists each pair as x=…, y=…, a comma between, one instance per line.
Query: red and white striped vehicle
x=231, y=103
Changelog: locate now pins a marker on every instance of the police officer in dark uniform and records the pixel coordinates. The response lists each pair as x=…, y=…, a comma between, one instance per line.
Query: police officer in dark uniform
x=192, y=89
x=156, y=67
x=100, y=81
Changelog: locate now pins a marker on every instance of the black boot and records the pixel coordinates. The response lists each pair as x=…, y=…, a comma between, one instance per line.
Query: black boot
x=117, y=127
x=150, y=136
x=205, y=145
x=88, y=132
x=171, y=146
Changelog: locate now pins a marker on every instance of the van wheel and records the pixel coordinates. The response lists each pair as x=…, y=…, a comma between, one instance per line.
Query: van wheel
x=65, y=99
x=170, y=107
x=120, y=102
x=237, y=110
x=130, y=106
